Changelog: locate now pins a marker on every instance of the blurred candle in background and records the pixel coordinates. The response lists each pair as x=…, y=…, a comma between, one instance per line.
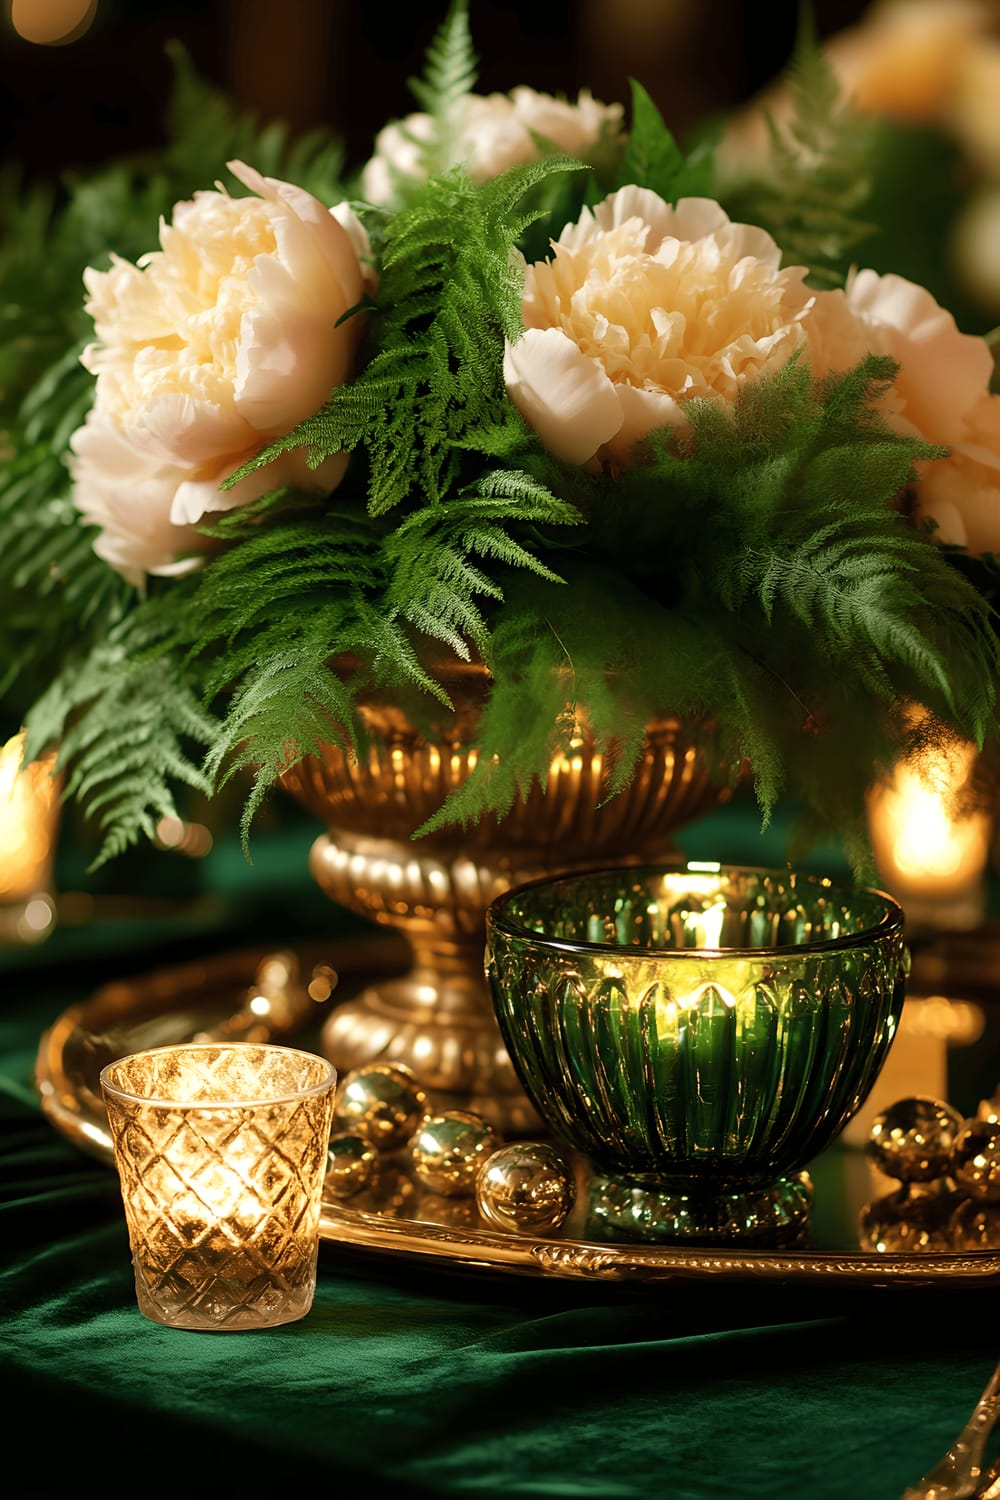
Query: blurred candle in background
x=931, y=839
x=29, y=822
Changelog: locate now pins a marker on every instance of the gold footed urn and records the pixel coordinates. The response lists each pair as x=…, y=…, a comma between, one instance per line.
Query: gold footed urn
x=438, y=1018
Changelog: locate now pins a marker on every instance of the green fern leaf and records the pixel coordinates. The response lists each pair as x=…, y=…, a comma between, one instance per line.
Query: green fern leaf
x=450, y=74
x=815, y=191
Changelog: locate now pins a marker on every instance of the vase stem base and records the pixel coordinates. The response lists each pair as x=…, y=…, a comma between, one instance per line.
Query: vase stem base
x=453, y=1050
x=674, y=1211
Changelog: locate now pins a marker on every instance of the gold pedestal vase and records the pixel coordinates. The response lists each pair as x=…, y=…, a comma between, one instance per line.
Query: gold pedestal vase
x=438, y=1017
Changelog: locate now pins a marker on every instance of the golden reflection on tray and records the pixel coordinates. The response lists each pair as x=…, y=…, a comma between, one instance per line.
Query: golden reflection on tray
x=254, y=994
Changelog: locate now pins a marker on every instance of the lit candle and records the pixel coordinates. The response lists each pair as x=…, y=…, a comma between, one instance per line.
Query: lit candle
x=221, y=1151
x=29, y=815
x=931, y=851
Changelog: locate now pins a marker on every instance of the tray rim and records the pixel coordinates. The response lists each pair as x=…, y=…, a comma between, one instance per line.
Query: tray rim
x=159, y=992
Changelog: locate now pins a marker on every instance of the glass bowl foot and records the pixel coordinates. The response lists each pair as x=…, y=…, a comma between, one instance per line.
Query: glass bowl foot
x=770, y=1213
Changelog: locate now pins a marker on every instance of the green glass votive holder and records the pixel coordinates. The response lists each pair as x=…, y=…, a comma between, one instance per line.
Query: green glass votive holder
x=699, y=1034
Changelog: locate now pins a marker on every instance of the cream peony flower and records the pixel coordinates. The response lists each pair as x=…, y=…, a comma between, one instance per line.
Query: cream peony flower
x=224, y=338
x=642, y=308
x=497, y=131
x=961, y=493
x=943, y=372
x=904, y=58
x=941, y=394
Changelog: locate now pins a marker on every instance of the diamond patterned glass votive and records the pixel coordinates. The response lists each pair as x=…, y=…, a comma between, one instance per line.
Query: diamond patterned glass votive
x=221, y=1154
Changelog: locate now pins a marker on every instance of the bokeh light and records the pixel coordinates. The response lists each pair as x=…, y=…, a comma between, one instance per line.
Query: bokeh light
x=52, y=23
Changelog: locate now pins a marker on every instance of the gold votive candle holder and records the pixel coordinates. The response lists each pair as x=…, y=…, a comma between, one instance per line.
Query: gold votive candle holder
x=221, y=1153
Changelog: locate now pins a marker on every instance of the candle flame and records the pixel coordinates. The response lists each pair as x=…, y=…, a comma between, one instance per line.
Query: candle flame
x=920, y=838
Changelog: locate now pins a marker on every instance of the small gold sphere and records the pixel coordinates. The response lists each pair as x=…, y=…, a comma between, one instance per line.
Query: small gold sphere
x=913, y=1139
x=350, y=1164
x=526, y=1187
x=975, y=1226
x=975, y=1160
x=449, y=1148
x=382, y=1102
x=910, y=1221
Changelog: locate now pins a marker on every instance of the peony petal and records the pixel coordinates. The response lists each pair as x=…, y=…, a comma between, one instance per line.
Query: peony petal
x=637, y=203
x=125, y=305
x=643, y=412
x=196, y=498
x=224, y=337
x=564, y=396
x=944, y=372
x=979, y=520
x=130, y=502
x=327, y=235
x=180, y=429
x=358, y=236
x=287, y=364
x=99, y=444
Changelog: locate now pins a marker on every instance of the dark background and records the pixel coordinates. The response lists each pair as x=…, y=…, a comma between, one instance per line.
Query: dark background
x=346, y=65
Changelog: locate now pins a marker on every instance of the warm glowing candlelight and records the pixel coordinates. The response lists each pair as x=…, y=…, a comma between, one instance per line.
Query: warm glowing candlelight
x=930, y=848
x=29, y=814
x=52, y=23
x=221, y=1150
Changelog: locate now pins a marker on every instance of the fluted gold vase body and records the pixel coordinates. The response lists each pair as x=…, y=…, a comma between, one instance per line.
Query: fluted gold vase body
x=438, y=1018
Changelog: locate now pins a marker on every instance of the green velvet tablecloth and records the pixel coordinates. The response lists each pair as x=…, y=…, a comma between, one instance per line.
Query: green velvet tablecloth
x=409, y=1382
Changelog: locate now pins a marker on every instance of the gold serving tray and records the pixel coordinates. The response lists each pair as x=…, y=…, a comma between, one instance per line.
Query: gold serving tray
x=255, y=994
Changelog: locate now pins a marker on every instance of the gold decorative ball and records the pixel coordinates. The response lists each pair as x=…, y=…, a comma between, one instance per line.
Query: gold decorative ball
x=975, y=1160
x=449, y=1148
x=350, y=1164
x=526, y=1187
x=975, y=1226
x=913, y=1139
x=909, y=1222
x=381, y=1102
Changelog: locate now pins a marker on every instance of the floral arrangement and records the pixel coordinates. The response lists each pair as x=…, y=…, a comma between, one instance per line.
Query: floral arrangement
x=523, y=389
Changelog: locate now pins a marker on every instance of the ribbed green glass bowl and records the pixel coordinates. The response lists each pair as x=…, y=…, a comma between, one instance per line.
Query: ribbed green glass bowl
x=700, y=1035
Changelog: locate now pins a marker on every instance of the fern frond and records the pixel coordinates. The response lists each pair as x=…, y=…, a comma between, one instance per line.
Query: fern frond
x=123, y=732
x=449, y=75
x=570, y=660
x=814, y=193
x=434, y=390
x=861, y=593
x=432, y=579
x=288, y=698
x=56, y=590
